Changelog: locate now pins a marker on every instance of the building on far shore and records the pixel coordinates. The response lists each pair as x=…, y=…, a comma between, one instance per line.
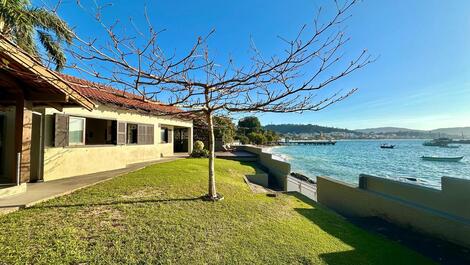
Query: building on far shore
x=56, y=126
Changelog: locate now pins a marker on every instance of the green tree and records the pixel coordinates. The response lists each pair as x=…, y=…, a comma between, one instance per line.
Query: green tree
x=224, y=128
x=26, y=25
x=243, y=139
x=271, y=136
x=257, y=138
x=248, y=125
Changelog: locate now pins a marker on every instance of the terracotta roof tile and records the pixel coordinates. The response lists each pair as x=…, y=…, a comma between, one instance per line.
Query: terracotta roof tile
x=108, y=95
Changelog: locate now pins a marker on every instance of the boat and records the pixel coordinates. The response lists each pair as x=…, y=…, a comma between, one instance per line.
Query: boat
x=442, y=141
x=450, y=146
x=442, y=158
x=387, y=146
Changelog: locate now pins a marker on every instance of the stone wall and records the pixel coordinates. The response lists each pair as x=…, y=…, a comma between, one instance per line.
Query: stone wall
x=442, y=213
x=278, y=170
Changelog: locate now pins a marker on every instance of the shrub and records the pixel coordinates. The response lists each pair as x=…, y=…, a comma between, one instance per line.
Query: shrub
x=198, y=145
x=199, y=153
x=257, y=138
x=243, y=139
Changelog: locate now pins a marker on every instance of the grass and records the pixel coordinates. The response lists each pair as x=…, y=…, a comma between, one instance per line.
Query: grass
x=154, y=216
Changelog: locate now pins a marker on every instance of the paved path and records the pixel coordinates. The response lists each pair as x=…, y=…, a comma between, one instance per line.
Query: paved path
x=39, y=192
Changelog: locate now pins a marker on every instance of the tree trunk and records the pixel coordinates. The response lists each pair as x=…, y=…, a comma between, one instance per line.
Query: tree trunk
x=212, y=191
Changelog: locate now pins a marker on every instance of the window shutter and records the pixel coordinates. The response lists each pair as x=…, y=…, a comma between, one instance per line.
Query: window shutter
x=150, y=134
x=121, y=133
x=141, y=134
x=61, y=133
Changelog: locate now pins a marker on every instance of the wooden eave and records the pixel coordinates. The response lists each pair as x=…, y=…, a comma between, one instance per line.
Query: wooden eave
x=57, y=92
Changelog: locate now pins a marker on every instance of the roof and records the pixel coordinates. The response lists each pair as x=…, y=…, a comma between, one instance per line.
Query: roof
x=108, y=95
x=40, y=84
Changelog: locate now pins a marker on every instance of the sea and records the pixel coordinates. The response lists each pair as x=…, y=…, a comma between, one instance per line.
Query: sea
x=346, y=160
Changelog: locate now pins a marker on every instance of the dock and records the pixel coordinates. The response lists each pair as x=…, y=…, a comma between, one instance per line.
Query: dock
x=308, y=142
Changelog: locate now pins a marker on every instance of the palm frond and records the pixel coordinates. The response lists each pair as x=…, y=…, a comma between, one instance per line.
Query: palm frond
x=53, y=49
x=49, y=21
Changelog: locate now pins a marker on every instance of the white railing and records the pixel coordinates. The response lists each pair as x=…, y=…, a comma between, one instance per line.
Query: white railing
x=303, y=187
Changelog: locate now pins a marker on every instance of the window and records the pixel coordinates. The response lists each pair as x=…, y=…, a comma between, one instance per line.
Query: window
x=100, y=132
x=76, y=131
x=164, y=135
x=131, y=133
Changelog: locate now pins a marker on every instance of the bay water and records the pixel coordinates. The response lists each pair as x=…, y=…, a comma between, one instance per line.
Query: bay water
x=349, y=158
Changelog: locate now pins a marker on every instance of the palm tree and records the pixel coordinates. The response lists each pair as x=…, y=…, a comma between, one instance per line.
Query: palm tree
x=25, y=25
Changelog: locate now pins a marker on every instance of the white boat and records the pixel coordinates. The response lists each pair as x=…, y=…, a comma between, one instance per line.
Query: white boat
x=442, y=158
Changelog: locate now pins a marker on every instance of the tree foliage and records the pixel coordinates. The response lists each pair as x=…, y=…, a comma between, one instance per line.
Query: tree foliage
x=224, y=128
x=249, y=124
x=29, y=26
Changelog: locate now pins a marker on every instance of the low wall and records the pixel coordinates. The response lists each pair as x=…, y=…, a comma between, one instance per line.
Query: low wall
x=441, y=213
x=278, y=170
x=64, y=162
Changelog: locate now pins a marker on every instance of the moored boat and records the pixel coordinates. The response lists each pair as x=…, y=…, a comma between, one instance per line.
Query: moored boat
x=442, y=141
x=442, y=158
x=387, y=146
x=450, y=146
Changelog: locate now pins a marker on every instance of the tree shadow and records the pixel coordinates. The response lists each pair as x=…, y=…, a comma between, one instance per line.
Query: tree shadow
x=367, y=248
x=117, y=202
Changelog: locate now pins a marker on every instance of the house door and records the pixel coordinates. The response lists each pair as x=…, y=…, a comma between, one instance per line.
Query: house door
x=37, y=148
x=180, y=144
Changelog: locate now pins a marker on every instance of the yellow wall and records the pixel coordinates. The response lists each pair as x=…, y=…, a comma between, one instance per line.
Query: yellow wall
x=63, y=162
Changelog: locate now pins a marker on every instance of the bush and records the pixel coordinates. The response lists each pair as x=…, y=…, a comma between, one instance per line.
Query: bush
x=198, y=145
x=257, y=138
x=200, y=153
x=243, y=139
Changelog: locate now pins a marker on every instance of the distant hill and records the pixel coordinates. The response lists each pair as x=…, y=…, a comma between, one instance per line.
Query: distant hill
x=303, y=129
x=386, y=130
x=456, y=131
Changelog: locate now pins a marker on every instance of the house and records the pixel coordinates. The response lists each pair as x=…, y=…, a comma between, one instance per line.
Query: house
x=56, y=126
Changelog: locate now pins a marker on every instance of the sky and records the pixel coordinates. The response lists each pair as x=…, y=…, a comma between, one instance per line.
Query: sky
x=420, y=80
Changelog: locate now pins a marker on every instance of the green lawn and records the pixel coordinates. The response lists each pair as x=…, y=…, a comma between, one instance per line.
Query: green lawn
x=154, y=216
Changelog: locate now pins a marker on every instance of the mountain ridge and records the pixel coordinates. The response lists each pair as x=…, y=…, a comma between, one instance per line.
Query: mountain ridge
x=313, y=128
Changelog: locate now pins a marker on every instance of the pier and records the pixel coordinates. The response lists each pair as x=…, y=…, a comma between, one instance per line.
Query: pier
x=308, y=142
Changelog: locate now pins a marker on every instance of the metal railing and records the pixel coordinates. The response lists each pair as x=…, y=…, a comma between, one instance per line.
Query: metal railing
x=303, y=187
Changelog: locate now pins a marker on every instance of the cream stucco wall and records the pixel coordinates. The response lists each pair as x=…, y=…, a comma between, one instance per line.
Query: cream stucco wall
x=63, y=162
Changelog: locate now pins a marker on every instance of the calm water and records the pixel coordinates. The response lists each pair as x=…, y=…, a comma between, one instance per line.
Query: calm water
x=347, y=159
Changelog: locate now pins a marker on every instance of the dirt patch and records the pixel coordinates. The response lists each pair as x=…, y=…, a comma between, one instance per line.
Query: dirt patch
x=143, y=193
x=105, y=216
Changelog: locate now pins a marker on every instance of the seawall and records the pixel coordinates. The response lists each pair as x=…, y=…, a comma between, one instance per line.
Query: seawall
x=442, y=213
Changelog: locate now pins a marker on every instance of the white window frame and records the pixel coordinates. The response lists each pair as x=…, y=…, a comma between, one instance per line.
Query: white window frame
x=84, y=130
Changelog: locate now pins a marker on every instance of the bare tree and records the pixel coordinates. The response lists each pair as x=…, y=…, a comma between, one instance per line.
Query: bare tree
x=286, y=82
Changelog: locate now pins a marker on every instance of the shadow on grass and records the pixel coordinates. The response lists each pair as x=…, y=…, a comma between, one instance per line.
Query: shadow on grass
x=117, y=202
x=365, y=248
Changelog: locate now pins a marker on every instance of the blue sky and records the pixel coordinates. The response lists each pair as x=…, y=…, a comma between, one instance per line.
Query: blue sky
x=421, y=79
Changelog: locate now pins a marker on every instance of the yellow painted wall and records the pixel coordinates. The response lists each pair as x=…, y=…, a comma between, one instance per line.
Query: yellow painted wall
x=63, y=162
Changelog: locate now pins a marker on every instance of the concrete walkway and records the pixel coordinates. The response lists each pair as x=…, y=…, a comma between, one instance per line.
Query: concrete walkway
x=43, y=191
